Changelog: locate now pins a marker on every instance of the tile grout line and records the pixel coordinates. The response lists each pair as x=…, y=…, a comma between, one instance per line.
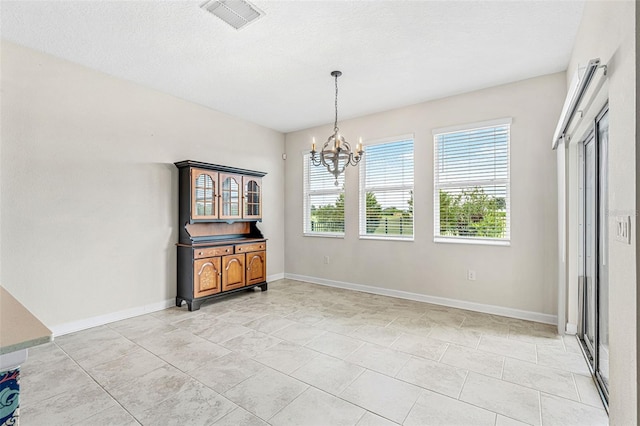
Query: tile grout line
x=540, y=407
x=361, y=417
x=100, y=385
x=364, y=370
x=564, y=345
x=396, y=339
x=464, y=382
x=191, y=377
x=247, y=304
x=479, y=340
x=339, y=396
x=404, y=419
x=362, y=343
x=575, y=384
x=276, y=413
x=402, y=366
x=444, y=352
x=172, y=365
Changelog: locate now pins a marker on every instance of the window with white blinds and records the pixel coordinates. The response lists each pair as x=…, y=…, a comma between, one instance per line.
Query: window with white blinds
x=471, y=176
x=323, y=201
x=386, y=189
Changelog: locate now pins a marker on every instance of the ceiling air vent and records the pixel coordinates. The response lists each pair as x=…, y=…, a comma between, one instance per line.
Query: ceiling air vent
x=237, y=13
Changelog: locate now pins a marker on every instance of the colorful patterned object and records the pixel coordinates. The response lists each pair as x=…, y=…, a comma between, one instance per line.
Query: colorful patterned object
x=9, y=397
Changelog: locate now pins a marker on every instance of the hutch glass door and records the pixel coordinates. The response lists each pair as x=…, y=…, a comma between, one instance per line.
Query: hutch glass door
x=252, y=198
x=204, y=196
x=230, y=192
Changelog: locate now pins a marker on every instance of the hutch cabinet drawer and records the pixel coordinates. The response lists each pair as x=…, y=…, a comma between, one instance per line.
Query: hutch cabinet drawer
x=243, y=248
x=201, y=253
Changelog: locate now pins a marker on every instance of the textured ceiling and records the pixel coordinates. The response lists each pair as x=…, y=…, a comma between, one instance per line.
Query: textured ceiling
x=275, y=72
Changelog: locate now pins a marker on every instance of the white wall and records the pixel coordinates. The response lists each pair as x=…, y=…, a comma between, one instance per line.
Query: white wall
x=89, y=189
x=609, y=31
x=522, y=276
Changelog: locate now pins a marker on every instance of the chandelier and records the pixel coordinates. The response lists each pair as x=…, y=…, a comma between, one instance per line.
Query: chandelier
x=336, y=152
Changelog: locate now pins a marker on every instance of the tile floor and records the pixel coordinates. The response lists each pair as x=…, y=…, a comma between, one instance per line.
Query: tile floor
x=302, y=354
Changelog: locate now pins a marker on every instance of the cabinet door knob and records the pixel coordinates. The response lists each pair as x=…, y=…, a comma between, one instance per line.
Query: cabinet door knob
x=200, y=254
x=226, y=251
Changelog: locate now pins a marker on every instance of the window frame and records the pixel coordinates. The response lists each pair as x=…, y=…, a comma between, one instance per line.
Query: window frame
x=362, y=191
x=437, y=238
x=306, y=204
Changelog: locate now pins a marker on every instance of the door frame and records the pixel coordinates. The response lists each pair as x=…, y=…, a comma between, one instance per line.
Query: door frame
x=592, y=355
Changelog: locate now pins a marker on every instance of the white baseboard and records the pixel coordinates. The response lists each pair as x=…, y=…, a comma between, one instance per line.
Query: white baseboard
x=454, y=303
x=571, y=329
x=275, y=277
x=72, y=327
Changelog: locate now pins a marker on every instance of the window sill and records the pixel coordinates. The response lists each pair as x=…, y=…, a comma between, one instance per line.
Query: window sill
x=322, y=235
x=472, y=241
x=390, y=238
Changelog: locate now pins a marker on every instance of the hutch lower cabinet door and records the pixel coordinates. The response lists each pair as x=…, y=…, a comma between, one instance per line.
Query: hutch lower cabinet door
x=256, y=267
x=232, y=271
x=206, y=276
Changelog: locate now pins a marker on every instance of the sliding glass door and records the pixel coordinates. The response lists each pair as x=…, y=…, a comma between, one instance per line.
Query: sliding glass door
x=594, y=294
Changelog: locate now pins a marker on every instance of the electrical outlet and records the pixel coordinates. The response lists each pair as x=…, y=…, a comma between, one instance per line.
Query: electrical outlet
x=623, y=229
x=471, y=275
x=326, y=260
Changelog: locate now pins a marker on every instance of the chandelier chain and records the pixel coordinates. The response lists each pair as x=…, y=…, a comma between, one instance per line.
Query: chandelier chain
x=335, y=124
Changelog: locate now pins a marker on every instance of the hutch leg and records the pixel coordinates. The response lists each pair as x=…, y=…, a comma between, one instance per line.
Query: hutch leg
x=178, y=302
x=263, y=287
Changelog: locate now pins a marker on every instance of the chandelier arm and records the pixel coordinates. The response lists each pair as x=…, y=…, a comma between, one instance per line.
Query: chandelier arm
x=354, y=159
x=328, y=166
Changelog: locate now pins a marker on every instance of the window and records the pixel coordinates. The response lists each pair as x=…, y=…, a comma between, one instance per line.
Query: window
x=471, y=177
x=323, y=201
x=386, y=189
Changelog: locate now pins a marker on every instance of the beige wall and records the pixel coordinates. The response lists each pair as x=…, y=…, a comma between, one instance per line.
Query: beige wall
x=89, y=189
x=522, y=276
x=609, y=31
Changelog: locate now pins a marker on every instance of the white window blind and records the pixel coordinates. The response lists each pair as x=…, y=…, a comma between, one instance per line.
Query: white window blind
x=323, y=201
x=386, y=189
x=471, y=195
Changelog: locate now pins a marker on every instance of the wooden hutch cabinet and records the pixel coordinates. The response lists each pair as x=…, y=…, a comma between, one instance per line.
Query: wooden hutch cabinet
x=220, y=248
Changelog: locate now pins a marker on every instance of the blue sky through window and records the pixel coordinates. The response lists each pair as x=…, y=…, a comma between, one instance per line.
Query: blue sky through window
x=389, y=172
